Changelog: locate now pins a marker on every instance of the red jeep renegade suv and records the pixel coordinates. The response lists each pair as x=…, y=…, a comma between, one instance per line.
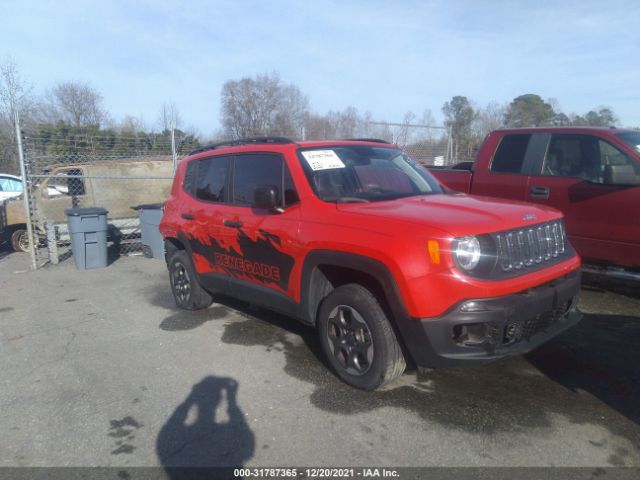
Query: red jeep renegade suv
x=359, y=241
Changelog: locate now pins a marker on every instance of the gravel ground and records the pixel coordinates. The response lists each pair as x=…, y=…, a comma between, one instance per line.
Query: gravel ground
x=100, y=369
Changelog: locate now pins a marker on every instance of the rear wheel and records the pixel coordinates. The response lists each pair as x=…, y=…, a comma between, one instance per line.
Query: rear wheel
x=20, y=240
x=358, y=339
x=187, y=292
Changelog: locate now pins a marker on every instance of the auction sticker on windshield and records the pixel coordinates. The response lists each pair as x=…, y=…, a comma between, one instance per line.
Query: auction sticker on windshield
x=322, y=159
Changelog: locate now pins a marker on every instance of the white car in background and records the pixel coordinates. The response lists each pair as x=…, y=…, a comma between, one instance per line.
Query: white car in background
x=10, y=186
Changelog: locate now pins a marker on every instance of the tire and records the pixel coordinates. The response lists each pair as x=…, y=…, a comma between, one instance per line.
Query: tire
x=20, y=240
x=358, y=339
x=187, y=292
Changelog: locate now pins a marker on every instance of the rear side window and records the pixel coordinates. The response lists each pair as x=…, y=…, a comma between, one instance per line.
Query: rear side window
x=261, y=170
x=509, y=157
x=212, y=179
x=190, y=175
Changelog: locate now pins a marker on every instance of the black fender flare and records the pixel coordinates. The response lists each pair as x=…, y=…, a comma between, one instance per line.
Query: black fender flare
x=311, y=294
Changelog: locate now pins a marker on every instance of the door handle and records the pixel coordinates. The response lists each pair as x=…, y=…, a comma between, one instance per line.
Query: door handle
x=539, y=193
x=188, y=216
x=233, y=223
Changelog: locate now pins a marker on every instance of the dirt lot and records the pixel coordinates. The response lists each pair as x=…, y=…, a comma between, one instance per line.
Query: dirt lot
x=99, y=368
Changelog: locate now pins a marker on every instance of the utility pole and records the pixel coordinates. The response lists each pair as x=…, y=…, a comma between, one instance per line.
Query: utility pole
x=25, y=191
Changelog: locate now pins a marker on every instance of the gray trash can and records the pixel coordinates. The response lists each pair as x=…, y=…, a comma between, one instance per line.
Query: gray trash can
x=88, y=232
x=152, y=241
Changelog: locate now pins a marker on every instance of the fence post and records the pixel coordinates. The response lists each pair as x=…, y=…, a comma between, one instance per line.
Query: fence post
x=25, y=192
x=174, y=156
x=52, y=243
x=449, y=155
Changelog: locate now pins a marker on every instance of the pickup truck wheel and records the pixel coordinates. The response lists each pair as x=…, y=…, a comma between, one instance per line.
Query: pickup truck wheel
x=358, y=339
x=20, y=240
x=187, y=292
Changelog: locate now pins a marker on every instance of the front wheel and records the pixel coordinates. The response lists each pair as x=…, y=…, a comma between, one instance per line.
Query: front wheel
x=358, y=339
x=187, y=292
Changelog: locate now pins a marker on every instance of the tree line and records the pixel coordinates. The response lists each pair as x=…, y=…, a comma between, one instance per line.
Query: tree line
x=470, y=124
x=70, y=120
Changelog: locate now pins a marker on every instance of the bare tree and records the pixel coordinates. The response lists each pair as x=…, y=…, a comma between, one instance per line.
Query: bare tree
x=262, y=106
x=131, y=124
x=169, y=117
x=402, y=133
x=427, y=118
x=367, y=128
x=13, y=90
x=345, y=122
x=15, y=96
x=488, y=119
x=428, y=135
x=334, y=125
x=289, y=119
x=76, y=104
x=318, y=127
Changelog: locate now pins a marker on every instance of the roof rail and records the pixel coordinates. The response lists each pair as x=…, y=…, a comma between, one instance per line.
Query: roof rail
x=375, y=140
x=244, y=141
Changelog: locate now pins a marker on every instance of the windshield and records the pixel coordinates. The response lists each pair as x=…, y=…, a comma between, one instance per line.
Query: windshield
x=364, y=174
x=631, y=138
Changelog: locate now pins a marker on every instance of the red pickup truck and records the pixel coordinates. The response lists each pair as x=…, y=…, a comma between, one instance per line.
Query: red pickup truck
x=591, y=174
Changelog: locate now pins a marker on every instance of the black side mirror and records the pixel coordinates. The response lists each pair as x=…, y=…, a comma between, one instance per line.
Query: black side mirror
x=266, y=197
x=620, y=175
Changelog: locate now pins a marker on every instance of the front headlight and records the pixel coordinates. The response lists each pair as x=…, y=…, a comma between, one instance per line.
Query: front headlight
x=467, y=252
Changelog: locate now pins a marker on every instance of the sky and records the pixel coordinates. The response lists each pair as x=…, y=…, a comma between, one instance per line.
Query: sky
x=385, y=57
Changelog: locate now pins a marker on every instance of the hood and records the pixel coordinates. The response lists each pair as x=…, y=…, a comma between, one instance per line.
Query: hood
x=458, y=214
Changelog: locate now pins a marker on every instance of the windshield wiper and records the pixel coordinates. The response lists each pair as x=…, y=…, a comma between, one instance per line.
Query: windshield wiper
x=347, y=200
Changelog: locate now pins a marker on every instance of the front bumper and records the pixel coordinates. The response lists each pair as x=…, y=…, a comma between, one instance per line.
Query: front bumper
x=477, y=331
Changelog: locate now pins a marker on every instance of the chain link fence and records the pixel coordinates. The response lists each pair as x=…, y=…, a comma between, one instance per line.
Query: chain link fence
x=69, y=168
x=431, y=145
x=427, y=144
x=83, y=168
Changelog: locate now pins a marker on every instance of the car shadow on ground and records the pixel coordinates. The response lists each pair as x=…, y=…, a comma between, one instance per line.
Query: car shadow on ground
x=513, y=394
x=208, y=429
x=599, y=356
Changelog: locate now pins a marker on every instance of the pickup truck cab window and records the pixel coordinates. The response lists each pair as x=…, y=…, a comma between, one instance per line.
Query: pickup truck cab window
x=583, y=156
x=509, y=157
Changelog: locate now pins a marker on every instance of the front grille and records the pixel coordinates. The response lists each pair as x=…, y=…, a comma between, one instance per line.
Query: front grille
x=517, y=330
x=530, y=247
